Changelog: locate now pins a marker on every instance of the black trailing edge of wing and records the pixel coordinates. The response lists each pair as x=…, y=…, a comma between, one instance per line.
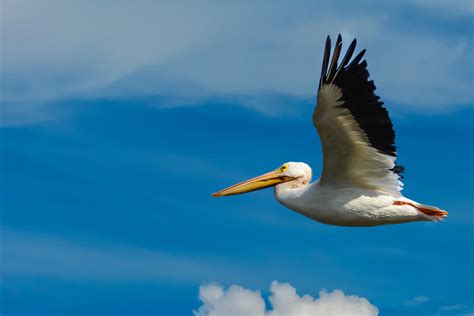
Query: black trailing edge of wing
x=358, y=94
x=397, y=169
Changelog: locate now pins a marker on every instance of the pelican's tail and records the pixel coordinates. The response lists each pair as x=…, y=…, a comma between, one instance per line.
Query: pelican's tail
x=431, y=213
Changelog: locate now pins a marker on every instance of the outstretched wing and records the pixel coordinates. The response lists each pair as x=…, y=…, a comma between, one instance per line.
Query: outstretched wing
x=356, y=133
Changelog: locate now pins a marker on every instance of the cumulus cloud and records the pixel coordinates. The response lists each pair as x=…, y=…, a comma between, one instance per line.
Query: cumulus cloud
x=236, y=301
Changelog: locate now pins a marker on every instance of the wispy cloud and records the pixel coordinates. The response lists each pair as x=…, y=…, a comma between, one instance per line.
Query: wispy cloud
x=236, y=300
x=56, y=256
x=456, y=7
x=193, y=52
x=26, y=254
x=452, y=308
x=417, y=300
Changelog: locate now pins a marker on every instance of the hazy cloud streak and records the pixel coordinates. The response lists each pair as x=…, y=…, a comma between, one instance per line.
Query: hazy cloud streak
x=192, y=52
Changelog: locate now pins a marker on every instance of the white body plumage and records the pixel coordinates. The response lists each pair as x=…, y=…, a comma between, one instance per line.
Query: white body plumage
x=343, y=206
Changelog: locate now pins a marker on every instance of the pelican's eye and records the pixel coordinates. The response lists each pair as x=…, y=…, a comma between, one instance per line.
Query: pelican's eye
x=282, y=169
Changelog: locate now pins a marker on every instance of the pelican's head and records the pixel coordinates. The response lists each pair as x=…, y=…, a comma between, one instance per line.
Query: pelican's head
x=298, y=173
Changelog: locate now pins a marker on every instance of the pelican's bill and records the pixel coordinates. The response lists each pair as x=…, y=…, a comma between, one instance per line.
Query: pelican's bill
x=264, y=181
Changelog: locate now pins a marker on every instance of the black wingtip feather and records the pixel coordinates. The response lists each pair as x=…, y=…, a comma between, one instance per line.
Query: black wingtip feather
x=398, y=170
x=335, y=58
x=350, y=51
x=346, y=58
x=324, y=68
x=357, y=60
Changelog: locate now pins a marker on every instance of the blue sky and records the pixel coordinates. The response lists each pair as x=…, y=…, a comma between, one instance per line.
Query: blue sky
x=114, y=132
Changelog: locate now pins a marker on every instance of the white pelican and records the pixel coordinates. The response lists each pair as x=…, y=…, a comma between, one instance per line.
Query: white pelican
x=360, y=182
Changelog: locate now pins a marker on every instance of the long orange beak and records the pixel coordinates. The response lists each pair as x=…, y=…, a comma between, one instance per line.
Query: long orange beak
x=264, y=181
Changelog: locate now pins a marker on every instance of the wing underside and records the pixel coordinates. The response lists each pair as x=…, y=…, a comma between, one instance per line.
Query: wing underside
x=356, y=133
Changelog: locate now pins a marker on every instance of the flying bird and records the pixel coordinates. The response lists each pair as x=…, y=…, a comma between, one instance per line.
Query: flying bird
x=360, y=180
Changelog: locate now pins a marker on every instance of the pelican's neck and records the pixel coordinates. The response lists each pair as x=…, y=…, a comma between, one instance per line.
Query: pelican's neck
x=290, y=191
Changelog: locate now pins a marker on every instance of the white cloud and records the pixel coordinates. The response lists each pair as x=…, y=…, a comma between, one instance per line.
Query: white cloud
x=53, y=50
x=237, y=300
